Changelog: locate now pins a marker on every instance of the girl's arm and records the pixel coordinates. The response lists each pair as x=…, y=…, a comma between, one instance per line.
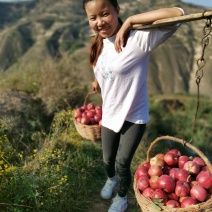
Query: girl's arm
x=143, y=18
x=95, y=85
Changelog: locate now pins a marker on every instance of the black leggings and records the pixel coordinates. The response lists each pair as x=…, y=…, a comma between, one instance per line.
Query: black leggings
x=118, y=150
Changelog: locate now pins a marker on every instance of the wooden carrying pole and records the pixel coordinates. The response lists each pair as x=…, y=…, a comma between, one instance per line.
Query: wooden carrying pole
x=170, y=21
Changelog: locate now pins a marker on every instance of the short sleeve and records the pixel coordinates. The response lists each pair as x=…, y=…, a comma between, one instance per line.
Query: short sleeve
x=149, y=39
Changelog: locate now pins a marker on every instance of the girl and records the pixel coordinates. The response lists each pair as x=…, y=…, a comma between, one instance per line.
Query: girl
x=119, y=57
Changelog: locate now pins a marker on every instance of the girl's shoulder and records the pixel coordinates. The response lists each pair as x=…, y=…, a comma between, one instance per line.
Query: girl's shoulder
x=133, y=33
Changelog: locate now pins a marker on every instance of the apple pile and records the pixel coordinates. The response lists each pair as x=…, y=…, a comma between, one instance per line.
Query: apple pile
x=89, y=114
x=177, y=180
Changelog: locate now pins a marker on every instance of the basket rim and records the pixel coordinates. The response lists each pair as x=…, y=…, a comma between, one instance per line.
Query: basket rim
x=85, y=125
x=184, y=143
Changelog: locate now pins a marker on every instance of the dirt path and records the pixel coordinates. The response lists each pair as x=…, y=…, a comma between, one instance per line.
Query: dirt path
x=101, y=205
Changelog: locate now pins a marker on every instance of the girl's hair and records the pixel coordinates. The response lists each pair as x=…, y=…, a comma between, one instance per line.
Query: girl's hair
x=97, y=41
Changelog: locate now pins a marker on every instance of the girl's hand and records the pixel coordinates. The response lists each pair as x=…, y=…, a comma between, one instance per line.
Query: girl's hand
x=95, y=85
x=143, y=18
x=122, y=36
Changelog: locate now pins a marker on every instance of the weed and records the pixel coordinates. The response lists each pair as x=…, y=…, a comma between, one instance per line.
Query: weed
x=63, y=172
x=61, y=175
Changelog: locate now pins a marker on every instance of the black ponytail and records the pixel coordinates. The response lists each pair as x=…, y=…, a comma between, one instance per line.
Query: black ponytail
x=95, y=49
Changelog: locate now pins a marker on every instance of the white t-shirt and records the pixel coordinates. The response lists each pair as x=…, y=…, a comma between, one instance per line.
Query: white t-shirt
x=122, y=76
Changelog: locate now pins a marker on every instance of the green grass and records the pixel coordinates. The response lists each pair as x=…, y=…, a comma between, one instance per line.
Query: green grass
x=57, y=83
x=46, y=166
x=178, y=119
x=60, y=175
x=61, y=171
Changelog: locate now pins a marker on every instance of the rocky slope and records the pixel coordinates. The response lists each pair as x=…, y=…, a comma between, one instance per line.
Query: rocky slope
x=31, y=32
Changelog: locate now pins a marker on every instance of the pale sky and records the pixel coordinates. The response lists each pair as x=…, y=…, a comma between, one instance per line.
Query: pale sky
x=205, y=3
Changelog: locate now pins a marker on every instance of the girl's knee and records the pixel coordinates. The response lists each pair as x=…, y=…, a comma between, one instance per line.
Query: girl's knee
x=122, y=166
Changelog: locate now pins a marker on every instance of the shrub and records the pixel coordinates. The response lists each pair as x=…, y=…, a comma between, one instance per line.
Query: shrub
x=61, y=175
x=60, y=86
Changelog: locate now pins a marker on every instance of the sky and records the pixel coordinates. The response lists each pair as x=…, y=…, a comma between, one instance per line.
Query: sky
x=205, y=3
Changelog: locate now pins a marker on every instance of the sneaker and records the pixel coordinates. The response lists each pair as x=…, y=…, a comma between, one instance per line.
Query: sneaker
x=119, y=204
x=107, y=190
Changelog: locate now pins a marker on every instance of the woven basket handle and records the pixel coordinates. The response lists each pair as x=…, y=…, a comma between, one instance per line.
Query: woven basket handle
x=86, y=98
x=184, y=143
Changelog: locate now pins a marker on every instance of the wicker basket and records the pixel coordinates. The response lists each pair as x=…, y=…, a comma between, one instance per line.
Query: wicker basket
x=90, y=132
x=148, y=206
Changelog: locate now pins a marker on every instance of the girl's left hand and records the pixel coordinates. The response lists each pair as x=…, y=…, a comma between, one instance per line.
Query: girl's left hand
x=122, y=36
x=95, y=85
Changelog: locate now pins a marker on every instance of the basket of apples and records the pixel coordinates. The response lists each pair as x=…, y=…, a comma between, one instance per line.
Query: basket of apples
x=87, y=120
x=174, y=182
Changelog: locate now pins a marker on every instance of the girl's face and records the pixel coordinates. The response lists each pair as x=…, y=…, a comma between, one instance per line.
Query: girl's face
x=103, y=17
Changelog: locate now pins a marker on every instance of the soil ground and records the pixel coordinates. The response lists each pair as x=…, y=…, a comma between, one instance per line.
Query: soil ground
x=101, y=205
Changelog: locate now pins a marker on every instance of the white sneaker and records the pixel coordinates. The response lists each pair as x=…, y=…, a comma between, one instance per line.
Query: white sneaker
x=119, y=204
x=107, y=190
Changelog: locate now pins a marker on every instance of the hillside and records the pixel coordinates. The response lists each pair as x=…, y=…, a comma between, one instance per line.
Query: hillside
x=45, y=165
x=32, y=32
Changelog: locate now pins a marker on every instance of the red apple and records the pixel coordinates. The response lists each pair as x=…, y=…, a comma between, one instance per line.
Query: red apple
x=146, y=165
x=182, y=160
x=173, y=204
x=171, y=159
x=166, y=169
x=166, y=183
x=90, y=114
x=160, y=194
x=84, y=120
x=84, y=108
x=98, y=110
x=153, y=182
x=148, y=192
x=93, y=110
x=160, y=155
x=187, y=202
x=205, y=168
x=77, y=113
x=173, y=173
x=78, y=119
x=90, y=106
x=172, y=196
x=182, y=198
x=84, y=114
x=157, y=161
x=199, y=193
x=143, y=183
x=204, y=179
x=92, y=121
x=199, y=161
x=175, y=151
x=192, y=167
x=182, y=175
x=141, y=171
x=98, y=107
x=155, y=171
x=182, y=188
x=97, y=117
